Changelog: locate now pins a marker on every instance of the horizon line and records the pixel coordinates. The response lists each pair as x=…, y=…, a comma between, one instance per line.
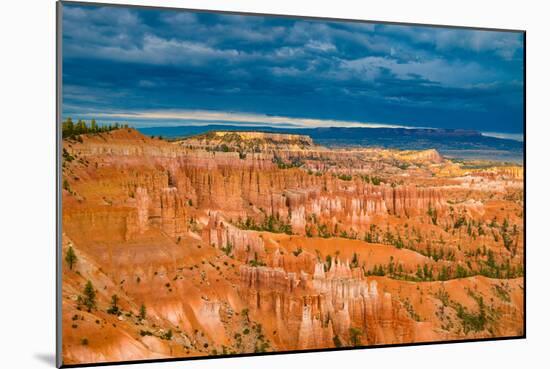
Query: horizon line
x=197, y=117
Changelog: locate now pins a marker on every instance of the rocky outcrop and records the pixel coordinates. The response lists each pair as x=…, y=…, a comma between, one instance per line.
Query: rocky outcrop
x=328, y=305
x=249, y=186
x=271, y=278
x=249, y=141
x=506, y=172
x=422, y=156
x=405, y=200
x=233, y=241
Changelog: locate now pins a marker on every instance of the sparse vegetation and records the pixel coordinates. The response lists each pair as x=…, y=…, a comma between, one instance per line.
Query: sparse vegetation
x=167, y=336
x=355, y=336
x=281, y=164
x=88, y=298
x=256, y=262
x=270, y=223
x=328, y=263
x=354, y=261
x=70, y=257
x=297, y=252
x=142, y=312
x=410, y=309
x=502, y=291
x=113, y=309
x=345, y=177
x=228, y=249
x=432, y=213
x=71, y=129
x=472, y=321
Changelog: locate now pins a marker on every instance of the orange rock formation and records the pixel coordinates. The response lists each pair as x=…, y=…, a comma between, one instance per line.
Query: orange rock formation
x=251, y=242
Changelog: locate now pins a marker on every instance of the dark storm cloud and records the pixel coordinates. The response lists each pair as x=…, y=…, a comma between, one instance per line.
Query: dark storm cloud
x=143, y=60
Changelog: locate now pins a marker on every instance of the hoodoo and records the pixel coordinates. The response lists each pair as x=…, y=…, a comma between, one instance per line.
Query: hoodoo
x=246, y=241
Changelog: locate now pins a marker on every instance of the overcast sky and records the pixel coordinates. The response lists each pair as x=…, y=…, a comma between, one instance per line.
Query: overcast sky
x=155, y=67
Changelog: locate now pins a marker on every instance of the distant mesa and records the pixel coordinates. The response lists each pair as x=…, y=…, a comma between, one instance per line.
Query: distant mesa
x=454, y=143
x=430, y=155
x=250, y=141
x=252, y=136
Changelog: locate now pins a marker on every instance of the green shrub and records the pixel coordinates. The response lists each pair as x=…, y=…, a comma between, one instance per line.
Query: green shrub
x=355, y=336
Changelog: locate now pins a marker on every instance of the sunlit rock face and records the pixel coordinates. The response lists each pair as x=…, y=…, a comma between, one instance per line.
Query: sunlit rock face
x=272, y=243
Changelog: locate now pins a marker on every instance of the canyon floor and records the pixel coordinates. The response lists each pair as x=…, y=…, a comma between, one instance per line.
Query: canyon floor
x=242, y=242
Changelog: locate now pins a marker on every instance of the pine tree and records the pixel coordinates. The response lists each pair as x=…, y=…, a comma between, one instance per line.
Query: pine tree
x=491, y=259
x=505, y=225
x=419, y=273
x=426, y=272
x=354, y=261
x=328, y=263
x=391, y=266
x=81, y=127
x=432, y=213
x=113, y=309
x=142, y=312
x=66, y=185
x=444, y=273
x=89, y=296
x=70, y=257
x=67, y=128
